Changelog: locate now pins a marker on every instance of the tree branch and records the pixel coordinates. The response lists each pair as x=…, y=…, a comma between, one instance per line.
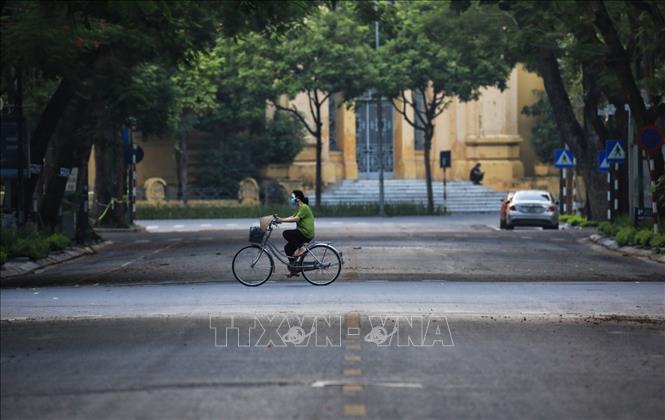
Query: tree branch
x=444, y=105
x=620, y=62
x=403, y=111
x=295, y=112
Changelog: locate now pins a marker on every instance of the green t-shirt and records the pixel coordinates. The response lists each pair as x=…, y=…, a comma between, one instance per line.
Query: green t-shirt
x=306, y=223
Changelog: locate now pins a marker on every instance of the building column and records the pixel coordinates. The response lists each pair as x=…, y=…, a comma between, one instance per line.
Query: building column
x=346, y=132
x=404, y=151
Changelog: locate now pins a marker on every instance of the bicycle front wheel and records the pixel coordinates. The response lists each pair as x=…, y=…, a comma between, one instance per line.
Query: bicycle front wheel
x=321, y=265
x=252, y=265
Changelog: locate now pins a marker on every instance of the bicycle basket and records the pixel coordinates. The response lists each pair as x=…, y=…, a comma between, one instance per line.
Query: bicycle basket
x=255, y=235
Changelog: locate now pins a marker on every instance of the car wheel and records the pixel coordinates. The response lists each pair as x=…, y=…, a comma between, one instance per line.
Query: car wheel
x=552, y=227
x=509, y=226
x=502, y=224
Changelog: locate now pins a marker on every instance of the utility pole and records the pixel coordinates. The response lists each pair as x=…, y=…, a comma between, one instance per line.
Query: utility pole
x=21, y=209
x=379, y=118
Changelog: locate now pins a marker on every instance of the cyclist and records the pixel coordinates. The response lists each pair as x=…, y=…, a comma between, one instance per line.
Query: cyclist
x=296, y=238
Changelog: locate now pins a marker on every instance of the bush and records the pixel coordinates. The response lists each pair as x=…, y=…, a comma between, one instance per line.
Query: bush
x=34, y=247
x=3, y=256
x=643, y=237
x=625, y=236
x=31, y=243
x=658, y=241
x=589, y=223
x=208, y=211
x=58, y=242
x=607, y=228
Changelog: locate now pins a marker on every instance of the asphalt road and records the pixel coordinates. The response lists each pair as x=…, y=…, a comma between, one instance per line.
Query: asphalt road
x=170, y=368
x=433, y=318
x=455, y=248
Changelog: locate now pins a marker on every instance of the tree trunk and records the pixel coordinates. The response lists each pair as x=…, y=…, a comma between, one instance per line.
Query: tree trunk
x=43, y=132
x=84, y=231
x=183, y=168
x=110, y=179
x=429, y=133
x=61, y=154
x=573, y=134
x=319, y=147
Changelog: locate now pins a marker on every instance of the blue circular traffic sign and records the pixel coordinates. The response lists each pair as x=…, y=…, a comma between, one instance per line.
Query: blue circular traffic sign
x=650, y=138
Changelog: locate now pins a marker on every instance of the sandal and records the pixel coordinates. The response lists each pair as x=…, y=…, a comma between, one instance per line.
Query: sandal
x=299, y=252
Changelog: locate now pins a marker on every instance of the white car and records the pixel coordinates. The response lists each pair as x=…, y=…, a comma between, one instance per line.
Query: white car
x=532, y=208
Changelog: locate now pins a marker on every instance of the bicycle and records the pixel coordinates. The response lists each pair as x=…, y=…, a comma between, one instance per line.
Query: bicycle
x=253, y=265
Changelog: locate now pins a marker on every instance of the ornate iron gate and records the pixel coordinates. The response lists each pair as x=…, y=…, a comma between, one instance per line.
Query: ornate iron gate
x=367, y=142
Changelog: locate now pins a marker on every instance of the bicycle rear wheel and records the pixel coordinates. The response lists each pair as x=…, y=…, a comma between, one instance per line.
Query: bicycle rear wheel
x=321, y=265
x=252, y=265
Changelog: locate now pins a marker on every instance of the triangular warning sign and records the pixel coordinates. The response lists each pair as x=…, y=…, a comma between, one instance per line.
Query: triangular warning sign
x=564, y=159
x=617, y=152
x=604, y=164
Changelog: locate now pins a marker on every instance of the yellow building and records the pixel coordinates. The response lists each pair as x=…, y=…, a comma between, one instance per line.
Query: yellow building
x=491, y=130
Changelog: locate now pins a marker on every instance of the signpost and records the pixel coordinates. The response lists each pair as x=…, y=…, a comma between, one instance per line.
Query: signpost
x=650, y=139
x=445, y=160
x=563, y=159
x=615, y=153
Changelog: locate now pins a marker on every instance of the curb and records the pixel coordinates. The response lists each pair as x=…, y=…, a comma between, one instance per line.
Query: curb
x=627, y=250
x=18, y=268
x=134, y=228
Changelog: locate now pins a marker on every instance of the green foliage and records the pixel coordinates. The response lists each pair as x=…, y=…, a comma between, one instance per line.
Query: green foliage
x=241, y=153
x=29, y=242
x=625, y=236
x=283, y=139
x=330, y=55
x=607, y=228
x=545, y=134
x=466, y=52
x=145, y=212
x=34, y=248
x=660, y=192
x=643, y=237
x=58, y=242
x=577, y=220
x=658, y=241
x=227, y=163
x=589, y=223
x=152, y=99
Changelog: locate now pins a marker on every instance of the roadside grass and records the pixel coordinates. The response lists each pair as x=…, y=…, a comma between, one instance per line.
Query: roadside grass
x=30, y=242
x=577, y=220
x=622, y=230
x=210, y=211
x=625, y=234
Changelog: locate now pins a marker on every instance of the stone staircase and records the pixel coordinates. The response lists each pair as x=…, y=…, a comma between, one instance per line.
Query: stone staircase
x=463, y=196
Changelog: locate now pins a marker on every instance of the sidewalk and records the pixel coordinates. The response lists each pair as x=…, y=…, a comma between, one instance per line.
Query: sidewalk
x=629, y=251
x=22, y=265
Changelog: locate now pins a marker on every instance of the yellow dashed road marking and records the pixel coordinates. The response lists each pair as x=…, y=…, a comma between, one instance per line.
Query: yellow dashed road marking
x=353, y=320
x=351, y=388
x=353, y=346
x=353, y=372
x=355, y=410
x=351, y=358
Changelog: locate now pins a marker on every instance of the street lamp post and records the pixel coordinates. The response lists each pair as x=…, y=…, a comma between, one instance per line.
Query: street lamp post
x=379, y=118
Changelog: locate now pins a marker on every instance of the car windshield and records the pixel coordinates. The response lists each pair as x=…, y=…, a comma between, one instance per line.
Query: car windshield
x=532, y=196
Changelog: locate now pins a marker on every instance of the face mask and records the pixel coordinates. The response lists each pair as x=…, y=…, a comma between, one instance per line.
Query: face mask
x=293, y=201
